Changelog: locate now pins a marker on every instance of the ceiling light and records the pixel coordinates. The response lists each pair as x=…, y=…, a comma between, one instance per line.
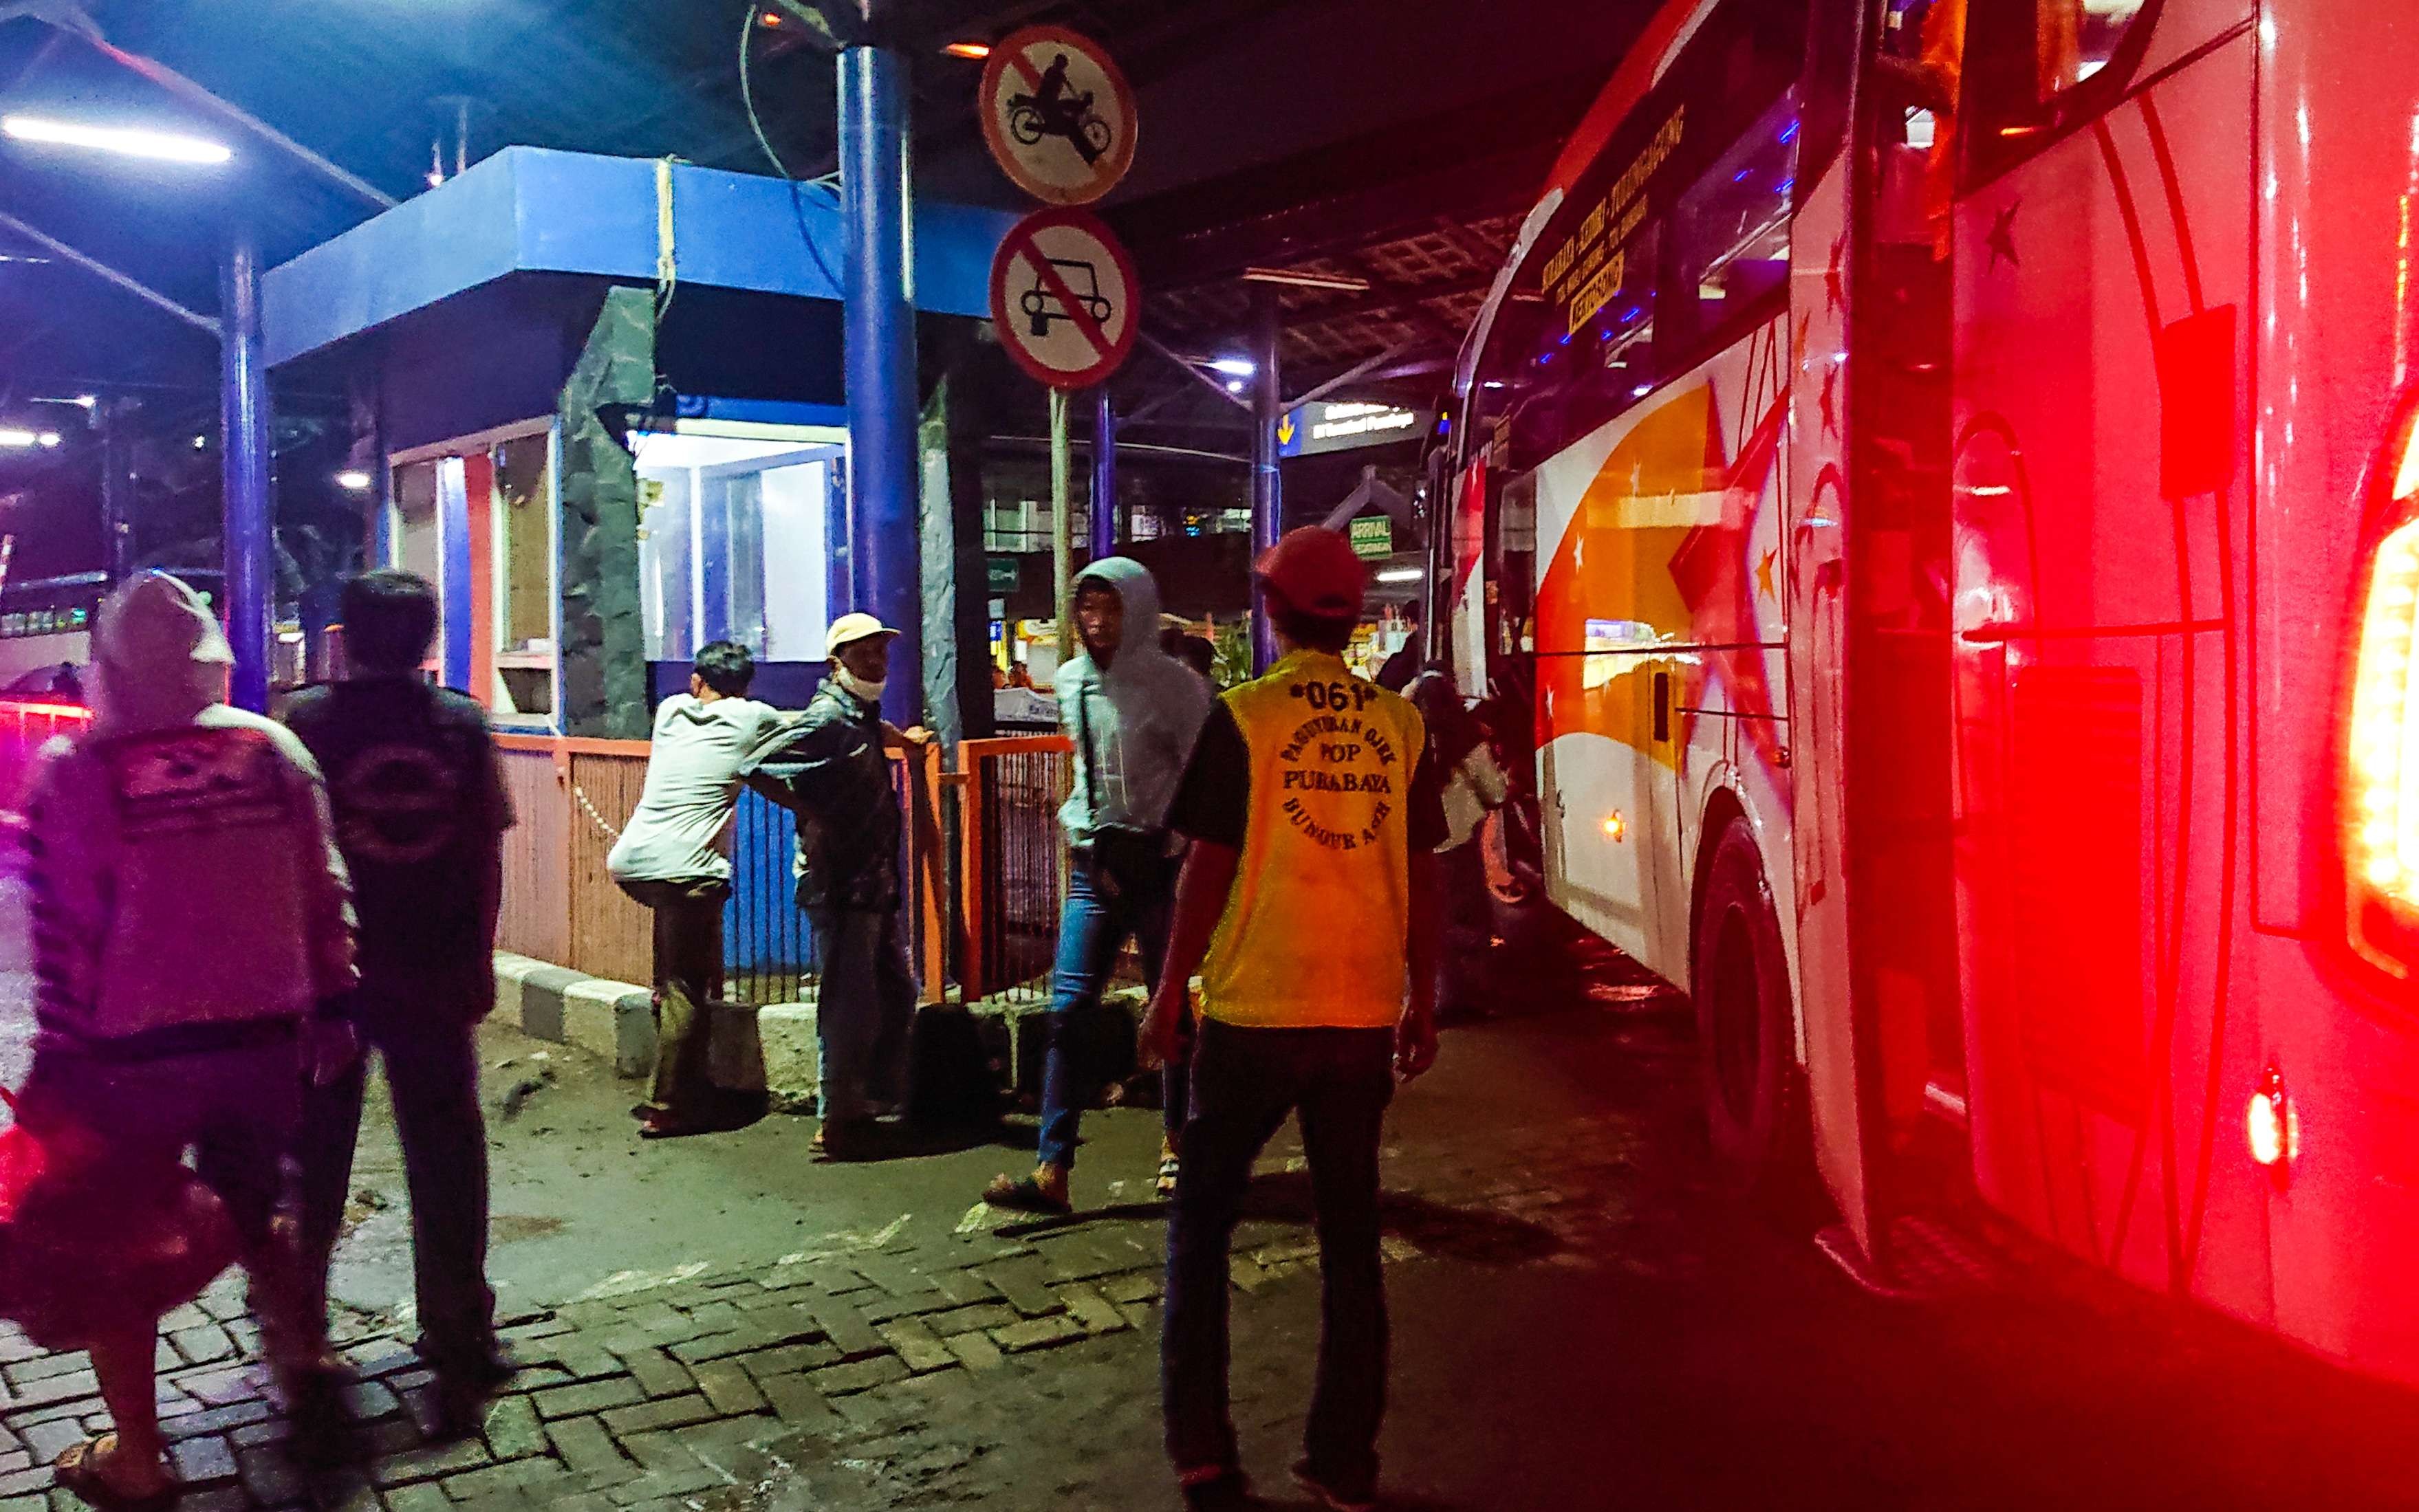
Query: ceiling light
x=968, y=50
x=133, y=142
x=1401, y=574
x=1234, y=386
x=1235, y=367
x=85, y=401
x=49, y=438
x=18, y=439
x=1302, y=279
x=354, y=482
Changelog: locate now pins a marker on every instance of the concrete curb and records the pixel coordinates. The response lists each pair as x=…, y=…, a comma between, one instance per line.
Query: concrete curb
x=615, y=1022
x=774, y=1051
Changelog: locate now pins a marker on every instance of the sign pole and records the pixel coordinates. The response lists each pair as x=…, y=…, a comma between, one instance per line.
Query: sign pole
x=1062, y=524
x=1268, y=498
x=1104, y=475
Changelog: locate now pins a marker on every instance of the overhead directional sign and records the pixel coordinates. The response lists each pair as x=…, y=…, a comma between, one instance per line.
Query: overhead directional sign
x=1065, y=296
x=1058, y=115
x=1308, y=430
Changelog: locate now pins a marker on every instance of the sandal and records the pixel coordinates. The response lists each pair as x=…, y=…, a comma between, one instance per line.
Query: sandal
x=1023, y=1194
x=1167, y=1169
x=84, y=1469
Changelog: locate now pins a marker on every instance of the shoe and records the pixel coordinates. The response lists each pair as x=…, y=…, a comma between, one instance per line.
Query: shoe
x=1335, y=1495
x=1025, y=1194
x=668, y=1127
x=847, y=1139
x=1227, y=1492
x=1168, y=1168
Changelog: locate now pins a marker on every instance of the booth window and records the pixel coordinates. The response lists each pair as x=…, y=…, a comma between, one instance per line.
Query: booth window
x=524, y=516
x=732, y=542
x=476, y=519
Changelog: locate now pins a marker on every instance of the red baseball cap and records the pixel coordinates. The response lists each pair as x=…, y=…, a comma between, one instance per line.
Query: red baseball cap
x=1317, y=570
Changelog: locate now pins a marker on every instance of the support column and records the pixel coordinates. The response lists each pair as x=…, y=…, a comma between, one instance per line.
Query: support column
x=1105, y=522
x=880, y=322
x=247, y=534
x=117, y=488
x=1268, y=498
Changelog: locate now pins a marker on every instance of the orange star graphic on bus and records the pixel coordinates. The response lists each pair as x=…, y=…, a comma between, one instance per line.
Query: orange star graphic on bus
x=1659, y=553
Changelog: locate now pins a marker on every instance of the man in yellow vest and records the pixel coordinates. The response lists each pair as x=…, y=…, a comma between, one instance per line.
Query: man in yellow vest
x=1307, y=906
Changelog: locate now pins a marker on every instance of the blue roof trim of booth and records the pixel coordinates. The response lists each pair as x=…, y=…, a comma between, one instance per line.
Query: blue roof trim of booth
x=761, y=411
x=534, y=210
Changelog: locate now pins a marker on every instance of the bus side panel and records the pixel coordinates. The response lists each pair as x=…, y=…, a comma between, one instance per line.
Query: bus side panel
x=2339, y=345
x=1607, y=790
x=2099, y=499
x=1814, y=570
x=1658, y=608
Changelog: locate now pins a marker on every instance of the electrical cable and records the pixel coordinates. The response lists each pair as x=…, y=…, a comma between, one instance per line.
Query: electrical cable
x=756, y=124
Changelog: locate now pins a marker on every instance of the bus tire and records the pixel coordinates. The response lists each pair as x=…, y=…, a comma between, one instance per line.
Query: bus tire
x=1747, y=1043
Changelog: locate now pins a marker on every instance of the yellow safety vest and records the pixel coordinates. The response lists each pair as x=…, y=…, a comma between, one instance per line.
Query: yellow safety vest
x=1314, y=931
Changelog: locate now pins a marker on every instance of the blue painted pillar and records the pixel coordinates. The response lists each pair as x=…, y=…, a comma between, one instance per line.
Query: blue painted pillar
x=1267, y=499
x=247, y=529
x=886, y=552
x=1104, y=475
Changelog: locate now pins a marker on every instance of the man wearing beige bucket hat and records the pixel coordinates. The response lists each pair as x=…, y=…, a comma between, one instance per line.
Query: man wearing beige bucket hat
x=833, y=769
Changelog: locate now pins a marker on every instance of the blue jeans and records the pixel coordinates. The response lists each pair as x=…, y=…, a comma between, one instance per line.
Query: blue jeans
x=1245, y=1083
x=1093, y=927
x=864, y=1010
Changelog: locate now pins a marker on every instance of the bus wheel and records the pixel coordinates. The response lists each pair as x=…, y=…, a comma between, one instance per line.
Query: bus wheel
x=1739, y=980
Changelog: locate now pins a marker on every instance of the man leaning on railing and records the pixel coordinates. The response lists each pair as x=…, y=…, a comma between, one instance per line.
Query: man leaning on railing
x=833, y=769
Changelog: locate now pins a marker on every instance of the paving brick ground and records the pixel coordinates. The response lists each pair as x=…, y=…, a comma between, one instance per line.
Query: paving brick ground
x=834, y=1378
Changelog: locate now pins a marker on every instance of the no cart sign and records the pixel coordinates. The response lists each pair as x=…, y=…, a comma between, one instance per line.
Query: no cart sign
x=1064, y=295
x=1057, y=115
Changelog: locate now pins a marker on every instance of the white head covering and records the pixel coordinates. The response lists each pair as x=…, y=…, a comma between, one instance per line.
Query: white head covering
x=158, y=653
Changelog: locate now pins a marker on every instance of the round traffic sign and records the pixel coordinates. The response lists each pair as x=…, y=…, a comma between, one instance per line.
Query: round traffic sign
x=1064, y=295
x=1057, y=115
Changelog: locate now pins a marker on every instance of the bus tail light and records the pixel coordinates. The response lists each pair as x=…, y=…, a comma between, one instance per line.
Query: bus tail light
x=2381, y=805
x=2272, y=1124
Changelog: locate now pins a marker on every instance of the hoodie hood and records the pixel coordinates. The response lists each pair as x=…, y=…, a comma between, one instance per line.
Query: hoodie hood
x=1133, y=721
x=1140, y=593
x=158, y=655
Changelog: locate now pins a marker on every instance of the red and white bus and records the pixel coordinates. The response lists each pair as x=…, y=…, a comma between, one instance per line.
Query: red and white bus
x=1945, y=476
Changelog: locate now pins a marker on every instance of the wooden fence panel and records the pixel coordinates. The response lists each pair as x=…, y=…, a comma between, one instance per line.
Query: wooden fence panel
x=610, y=935
x=536, y=920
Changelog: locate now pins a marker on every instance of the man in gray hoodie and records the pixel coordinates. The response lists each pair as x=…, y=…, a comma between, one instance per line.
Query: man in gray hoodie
x=1133, y=715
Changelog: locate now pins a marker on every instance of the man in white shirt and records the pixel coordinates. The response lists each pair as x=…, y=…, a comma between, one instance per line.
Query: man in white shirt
x=676, y=858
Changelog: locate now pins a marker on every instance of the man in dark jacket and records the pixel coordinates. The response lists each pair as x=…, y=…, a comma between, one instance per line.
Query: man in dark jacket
x=420, y=814
x=832, y=768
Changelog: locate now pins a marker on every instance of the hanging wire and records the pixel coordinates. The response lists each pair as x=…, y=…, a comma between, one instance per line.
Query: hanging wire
x=829, y=182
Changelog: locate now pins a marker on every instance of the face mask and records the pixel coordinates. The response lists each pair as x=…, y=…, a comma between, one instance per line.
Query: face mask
x=870, y=691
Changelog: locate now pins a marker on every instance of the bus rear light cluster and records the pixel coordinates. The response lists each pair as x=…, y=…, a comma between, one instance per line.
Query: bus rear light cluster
x=2381, y=810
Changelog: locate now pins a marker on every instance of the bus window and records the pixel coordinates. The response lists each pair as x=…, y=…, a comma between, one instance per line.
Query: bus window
x=1612, y=360
x=2033, y=66
x=1730, y=235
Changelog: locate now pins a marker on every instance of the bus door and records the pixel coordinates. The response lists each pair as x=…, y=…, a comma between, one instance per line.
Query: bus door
x=1868, y=643
x=2099, y=241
